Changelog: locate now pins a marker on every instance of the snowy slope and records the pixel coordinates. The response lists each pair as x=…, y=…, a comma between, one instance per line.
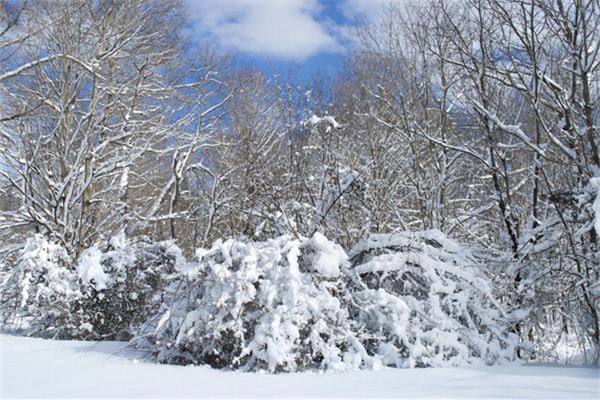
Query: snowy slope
x=46, y=368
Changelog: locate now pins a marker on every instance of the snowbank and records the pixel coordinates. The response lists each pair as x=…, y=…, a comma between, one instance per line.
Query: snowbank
x=62, y=369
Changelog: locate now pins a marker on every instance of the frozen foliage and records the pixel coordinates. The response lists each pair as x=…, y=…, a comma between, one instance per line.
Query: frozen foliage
x=91, y=271
x=291, y=304
x=39, y=294
x=453, y=317
x=326, y=256
x=286, y=304
x=123, y=283
x=274, y=305
x=106, y=293
x=595, y=184
x=329, y=121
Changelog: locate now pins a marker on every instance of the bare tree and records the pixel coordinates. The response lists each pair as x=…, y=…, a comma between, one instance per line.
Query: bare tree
x=105, y=105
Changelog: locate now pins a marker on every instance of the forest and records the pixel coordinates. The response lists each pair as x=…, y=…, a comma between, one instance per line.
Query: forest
x=436, y=202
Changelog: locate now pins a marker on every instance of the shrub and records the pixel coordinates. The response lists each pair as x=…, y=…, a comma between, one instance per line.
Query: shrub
x=41, y=291
x=123, y=282
x=106, y=294
x=275, y=305
x=454, y=318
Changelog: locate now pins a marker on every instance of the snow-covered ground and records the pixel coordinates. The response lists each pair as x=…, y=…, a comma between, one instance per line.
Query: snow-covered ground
x=59, y=369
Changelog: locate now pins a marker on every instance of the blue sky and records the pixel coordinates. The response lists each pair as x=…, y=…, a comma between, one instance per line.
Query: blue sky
x=308, y=36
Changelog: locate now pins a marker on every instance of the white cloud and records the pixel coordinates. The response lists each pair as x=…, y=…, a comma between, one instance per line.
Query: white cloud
x=363, y=9
x=285, y=29
x=359, y=12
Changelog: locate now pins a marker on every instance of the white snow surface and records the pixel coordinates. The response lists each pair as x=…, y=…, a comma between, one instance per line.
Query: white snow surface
x=330, y=121
x=66, y=369
x=90, y=269
x=329, y=256
x=595, y=182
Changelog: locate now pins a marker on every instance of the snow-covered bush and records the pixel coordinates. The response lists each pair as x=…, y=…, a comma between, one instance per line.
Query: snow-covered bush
x=123, y=284
x=106, y=294
x=41, y=290
x=276, y=305
x=453, y=317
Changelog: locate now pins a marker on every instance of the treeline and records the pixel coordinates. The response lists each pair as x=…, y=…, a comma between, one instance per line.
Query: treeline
x=478, y=118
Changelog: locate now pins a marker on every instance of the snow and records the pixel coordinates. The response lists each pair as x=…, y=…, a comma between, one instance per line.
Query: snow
x=285, y=305
x=119, y=241
x=329, y=256
x=90, y=269
x=256, y=306
x=58, y=369
x=330, y=121
x=595, y=182
x=454, y=319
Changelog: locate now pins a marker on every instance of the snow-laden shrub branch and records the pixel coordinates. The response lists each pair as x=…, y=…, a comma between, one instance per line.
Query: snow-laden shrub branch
x=286, y=304
x=453, y=315
x=41, y=291
x=124, y=283
x=105, y=294
x=277, y=305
